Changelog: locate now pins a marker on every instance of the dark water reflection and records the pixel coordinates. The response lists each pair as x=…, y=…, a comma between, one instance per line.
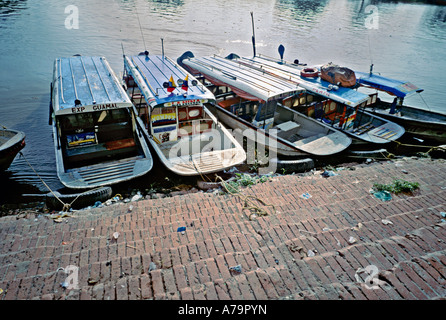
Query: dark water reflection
x=409, y=43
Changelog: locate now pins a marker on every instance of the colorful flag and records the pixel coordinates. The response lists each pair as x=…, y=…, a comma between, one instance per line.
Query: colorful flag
x=185, y=85
x=171, y=85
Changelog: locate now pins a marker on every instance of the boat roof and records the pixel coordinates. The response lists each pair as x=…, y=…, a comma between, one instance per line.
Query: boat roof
x=291, y=71
x=85, y=84
x=249, y=83
x=392, y=86
x=153, y=72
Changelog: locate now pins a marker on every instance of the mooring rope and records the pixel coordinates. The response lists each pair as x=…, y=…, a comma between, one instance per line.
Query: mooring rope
x=66, y=206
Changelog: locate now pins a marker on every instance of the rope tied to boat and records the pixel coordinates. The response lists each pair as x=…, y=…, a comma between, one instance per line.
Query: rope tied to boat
x=66, y=206
x=255, y=210
x=431, y=148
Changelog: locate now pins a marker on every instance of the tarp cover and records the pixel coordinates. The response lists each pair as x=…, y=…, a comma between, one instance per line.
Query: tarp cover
x=338, y=75
x=392, y=86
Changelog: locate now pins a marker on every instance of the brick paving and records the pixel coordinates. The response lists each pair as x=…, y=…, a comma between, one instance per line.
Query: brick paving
x=334, y=245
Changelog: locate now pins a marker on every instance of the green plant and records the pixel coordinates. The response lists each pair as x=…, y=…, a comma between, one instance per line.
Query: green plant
x=244, y=179
x=397, y=186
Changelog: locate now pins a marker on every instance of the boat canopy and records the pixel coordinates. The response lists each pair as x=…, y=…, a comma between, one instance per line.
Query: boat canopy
x=248, y=83
x=394, y=87
x=165, y=83
x=316, y=85
x=86, y=84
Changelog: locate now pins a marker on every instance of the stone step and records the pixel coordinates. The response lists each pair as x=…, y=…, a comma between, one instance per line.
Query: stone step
x=386, y=254
x=419, y=278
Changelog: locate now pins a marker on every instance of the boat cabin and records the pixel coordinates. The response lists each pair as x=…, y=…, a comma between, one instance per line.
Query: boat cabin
x=96, y=135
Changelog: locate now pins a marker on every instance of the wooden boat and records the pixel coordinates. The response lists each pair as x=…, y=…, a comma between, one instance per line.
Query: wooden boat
x=421, y=123
x=251, y=100
x=178, y=125
x=97, y=138
x=11, y=142
x=340, y=107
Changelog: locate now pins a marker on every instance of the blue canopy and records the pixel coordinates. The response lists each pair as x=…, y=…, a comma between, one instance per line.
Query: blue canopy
x=395, y=87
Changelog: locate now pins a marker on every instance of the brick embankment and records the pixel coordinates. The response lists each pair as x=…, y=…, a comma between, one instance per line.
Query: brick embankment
x=341, y=243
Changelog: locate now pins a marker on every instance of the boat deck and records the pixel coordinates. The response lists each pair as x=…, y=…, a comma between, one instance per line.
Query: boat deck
x=112, y=172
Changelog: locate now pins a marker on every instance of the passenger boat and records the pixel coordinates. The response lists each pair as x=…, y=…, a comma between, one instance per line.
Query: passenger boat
x=340, y=107
x=11, y=142
x=421, y=123
x=173, y=107
x=97, y=138
x=252, y=101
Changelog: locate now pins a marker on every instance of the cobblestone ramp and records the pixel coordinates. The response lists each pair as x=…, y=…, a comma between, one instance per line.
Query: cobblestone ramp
x=341, y=243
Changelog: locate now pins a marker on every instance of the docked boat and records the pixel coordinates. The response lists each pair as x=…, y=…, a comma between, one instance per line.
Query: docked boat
x=97, y=138
x=340, y=107
x=173, y=107
x=252, y=101
x=11, y=142
x=421, y=123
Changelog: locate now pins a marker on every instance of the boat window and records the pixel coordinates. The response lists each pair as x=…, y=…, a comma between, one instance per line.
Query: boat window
x=266, y=110
x=194, y=113
x=104, y=125
x=76, y=121
x=111, y=116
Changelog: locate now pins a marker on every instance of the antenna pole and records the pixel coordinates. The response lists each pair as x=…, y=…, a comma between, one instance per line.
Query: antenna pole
x=140, y=29
x=253, y=35
x=162, y=47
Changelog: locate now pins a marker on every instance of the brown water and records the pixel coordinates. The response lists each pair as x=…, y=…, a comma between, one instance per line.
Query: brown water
x=409, y=42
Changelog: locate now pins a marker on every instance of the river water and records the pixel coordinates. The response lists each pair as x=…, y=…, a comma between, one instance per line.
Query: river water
x=402, y=40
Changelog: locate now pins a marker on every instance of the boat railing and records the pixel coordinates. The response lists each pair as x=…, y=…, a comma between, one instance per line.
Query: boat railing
x=230, y=75
x=60, y=78
x=102, y=81
x=155, y=92
x=268, y=92
x=74, y=81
